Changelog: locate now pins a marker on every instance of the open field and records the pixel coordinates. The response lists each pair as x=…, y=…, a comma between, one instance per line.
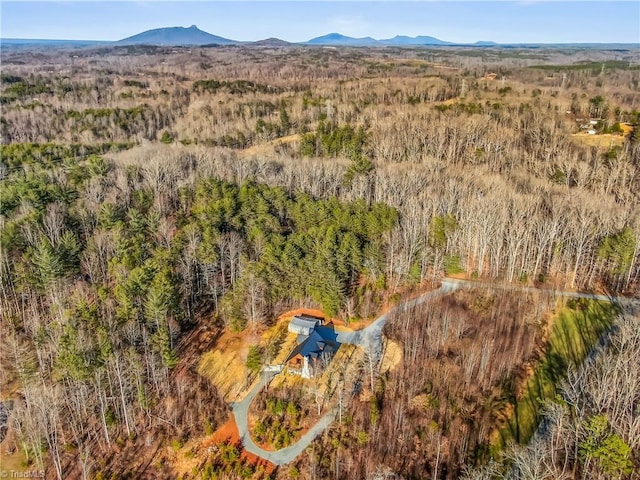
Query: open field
x=573, y=332
x=604, y=141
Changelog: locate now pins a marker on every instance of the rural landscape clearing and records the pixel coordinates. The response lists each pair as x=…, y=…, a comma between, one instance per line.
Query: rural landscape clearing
x=347, y=257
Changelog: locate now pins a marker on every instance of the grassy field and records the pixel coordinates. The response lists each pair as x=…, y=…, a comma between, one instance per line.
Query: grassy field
x=606, y=140
x=574, y=331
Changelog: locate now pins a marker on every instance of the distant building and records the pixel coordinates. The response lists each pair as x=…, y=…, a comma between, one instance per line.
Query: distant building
x=303, y=325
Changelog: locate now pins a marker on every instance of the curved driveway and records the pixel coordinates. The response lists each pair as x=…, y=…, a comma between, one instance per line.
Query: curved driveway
x=370, y=339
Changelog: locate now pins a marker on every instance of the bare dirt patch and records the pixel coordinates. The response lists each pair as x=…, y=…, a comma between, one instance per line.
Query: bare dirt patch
x=312, y=312
x=228, y=433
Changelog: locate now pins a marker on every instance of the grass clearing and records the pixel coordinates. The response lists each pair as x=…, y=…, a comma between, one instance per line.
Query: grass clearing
x=16, y=462
x=605, y=140
x=226, y=364
x=391, y=356
x=270, y=146
x=574, y=331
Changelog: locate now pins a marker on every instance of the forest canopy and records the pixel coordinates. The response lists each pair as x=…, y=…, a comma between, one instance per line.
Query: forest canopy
x=160, y=205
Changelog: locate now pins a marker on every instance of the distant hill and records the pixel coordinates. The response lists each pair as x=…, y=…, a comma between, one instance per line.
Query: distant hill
x=484, y=43
x=419, y=40
x=271, y=42
x=339, y=39
x=175, y=36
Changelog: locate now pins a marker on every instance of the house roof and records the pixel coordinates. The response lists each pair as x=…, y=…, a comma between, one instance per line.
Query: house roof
x=306, y=322
x=311, y=347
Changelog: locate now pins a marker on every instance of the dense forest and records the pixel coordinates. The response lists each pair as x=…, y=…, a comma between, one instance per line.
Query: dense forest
x=154, y=198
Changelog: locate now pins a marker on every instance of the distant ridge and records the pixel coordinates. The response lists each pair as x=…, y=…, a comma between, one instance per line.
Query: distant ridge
x=175, y=36
x=419, y=40
x=339, y=39
x=398, y=40
x=271, y=42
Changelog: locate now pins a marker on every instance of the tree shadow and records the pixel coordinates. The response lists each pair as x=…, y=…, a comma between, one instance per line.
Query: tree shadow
x=571, y=341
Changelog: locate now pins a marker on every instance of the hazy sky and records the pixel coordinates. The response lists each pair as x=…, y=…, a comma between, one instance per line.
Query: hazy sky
x=500, y=21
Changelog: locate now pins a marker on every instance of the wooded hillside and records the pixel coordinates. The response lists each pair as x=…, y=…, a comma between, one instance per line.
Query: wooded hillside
x=152, y=198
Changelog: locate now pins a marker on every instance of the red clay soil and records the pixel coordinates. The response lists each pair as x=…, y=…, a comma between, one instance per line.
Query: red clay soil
x=303, y=311
x=319, y=313
x=228, y=431
x=308, y=422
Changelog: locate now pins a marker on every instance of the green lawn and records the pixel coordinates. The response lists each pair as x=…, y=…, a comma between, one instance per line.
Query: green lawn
x=575, y=330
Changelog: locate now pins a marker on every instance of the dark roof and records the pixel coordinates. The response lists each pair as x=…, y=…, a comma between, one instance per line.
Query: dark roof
x=311, y=347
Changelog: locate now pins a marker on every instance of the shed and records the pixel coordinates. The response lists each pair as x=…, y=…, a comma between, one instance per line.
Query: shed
x=303, y=325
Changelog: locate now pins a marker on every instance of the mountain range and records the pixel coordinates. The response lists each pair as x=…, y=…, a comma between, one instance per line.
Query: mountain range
x=193, y=36
x=339, y=39
x=173, y=36
x=181, y=36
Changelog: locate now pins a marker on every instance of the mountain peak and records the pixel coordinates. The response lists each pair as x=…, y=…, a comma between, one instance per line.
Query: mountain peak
x=175, y=36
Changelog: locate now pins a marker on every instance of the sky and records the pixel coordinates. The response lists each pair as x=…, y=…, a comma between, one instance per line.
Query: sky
x=537, y=21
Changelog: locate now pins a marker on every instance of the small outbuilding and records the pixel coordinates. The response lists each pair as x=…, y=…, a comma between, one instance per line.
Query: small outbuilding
x=303, y=325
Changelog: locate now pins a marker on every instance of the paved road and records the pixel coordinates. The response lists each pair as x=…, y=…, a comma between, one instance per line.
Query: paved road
x=284, y=455
x=370, y=339
x=623, y=301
